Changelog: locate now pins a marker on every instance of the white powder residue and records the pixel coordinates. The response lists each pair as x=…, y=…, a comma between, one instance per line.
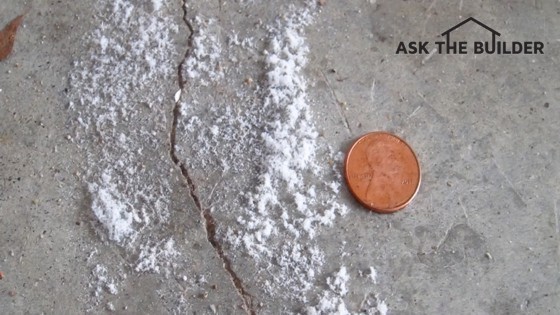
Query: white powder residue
x=372, y=305
x=373, y=275
x=290, y=191
x=338, y=283
x=151, y=257
x=111, y=210
x=289, y=167
x=157, y=4
x=110, y=307
x=121, y=126
x=290, y=138
x=331, y=301
x=102, y=281
x=203, y=63
x=382, y=308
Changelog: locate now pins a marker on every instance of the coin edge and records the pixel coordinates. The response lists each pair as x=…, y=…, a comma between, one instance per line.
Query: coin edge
x=346, y=175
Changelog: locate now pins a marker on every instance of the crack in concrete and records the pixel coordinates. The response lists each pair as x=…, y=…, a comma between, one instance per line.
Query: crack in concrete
x=210, y=223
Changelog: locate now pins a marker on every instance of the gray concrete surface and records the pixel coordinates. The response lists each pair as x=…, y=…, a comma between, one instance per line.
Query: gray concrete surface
x=78, y=120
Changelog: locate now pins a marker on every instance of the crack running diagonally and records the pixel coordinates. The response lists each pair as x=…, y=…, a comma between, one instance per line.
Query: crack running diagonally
x=210, y=223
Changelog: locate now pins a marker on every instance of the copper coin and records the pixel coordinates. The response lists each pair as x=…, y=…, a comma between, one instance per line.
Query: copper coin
x=382, y=172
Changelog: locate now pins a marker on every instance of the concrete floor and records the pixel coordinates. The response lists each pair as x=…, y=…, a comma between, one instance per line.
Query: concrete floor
x=167, y=116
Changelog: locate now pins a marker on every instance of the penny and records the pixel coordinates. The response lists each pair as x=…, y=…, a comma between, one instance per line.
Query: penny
x=382, y=172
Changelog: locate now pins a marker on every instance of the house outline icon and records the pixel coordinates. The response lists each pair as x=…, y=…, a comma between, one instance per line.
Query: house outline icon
x=448, y=32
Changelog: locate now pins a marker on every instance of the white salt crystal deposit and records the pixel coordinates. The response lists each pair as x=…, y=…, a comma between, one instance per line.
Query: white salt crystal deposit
x=157, y=4
x=293, y=197
x=206, y=52
x=102, y=281
x=373, y=275
x=121, y=130
x=152, y=256
x=290, y=165
x=338, y=282
x=111, y=209
x=331, y=301
x=382, y=308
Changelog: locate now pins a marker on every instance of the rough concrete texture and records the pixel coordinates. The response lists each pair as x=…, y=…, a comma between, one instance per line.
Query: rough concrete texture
x=166, y=157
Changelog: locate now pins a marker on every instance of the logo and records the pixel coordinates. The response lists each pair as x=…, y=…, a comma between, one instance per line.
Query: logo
x=451, y=47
